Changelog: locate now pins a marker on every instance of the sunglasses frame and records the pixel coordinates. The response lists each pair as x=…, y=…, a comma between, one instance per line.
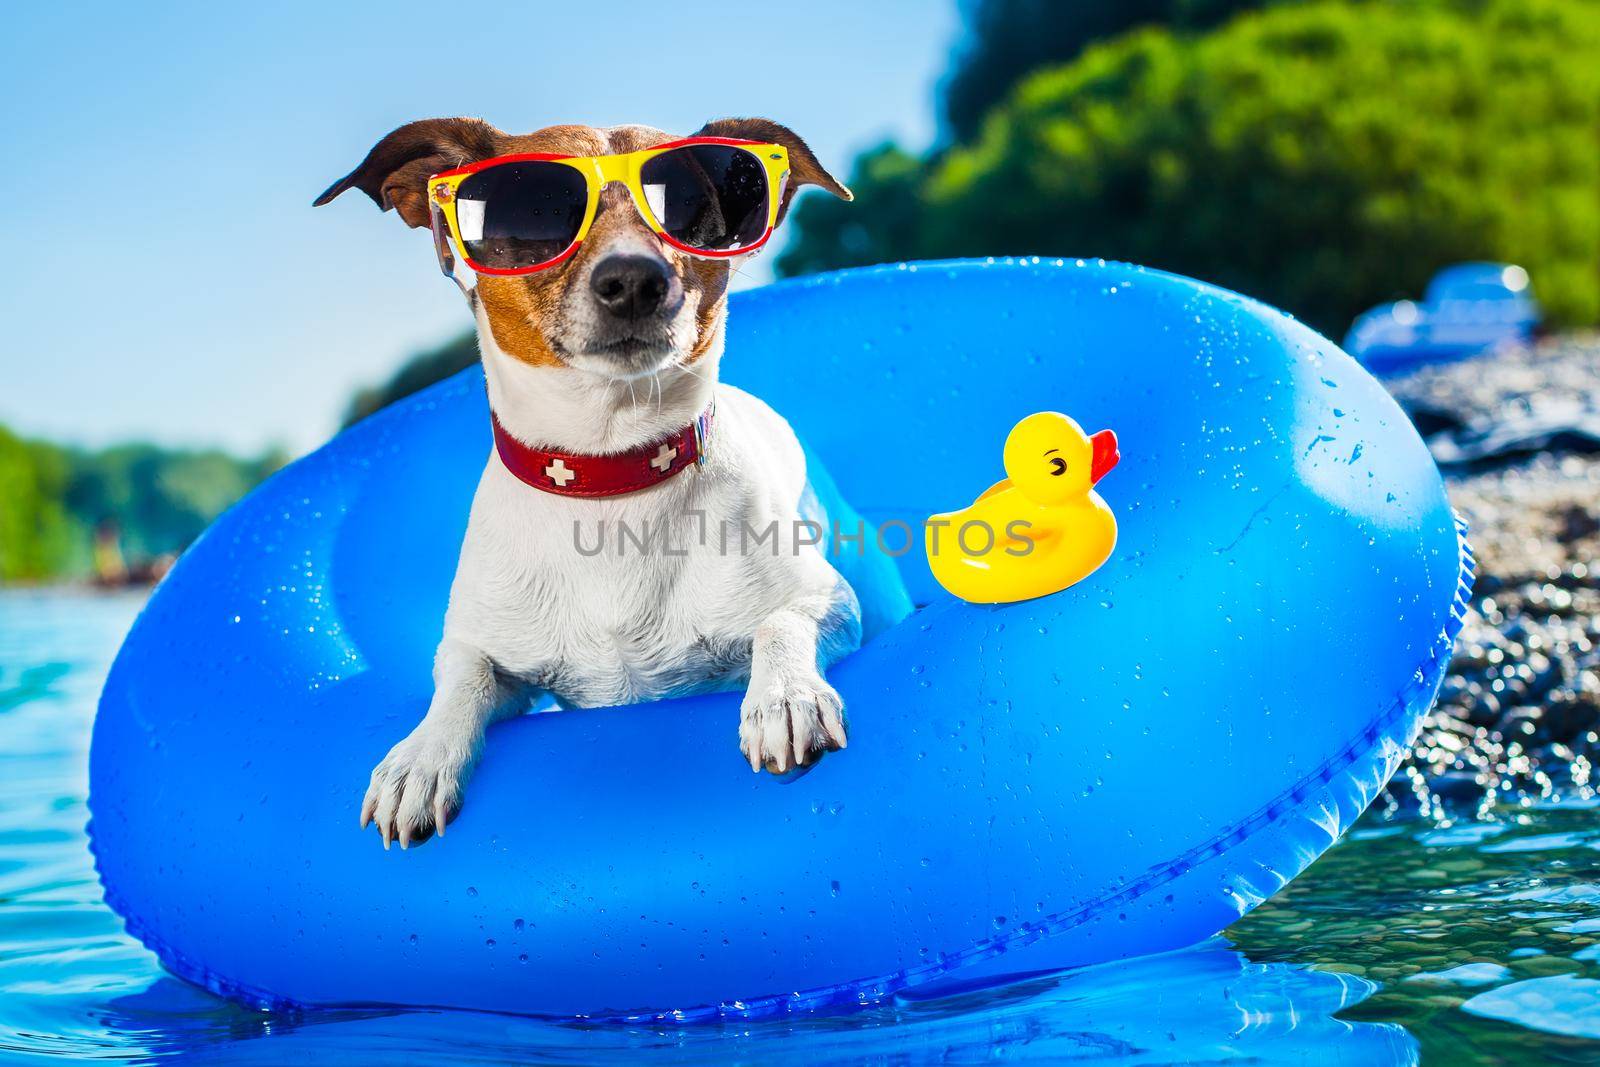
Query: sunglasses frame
x=598, y=172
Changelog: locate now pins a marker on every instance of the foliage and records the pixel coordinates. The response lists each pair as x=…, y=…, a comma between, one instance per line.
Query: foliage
x=52, y=499
x=419, y=372
x=882, y=220
x=1007, y=39
x=160, y=499
x=36, y=534
x=1321, y=157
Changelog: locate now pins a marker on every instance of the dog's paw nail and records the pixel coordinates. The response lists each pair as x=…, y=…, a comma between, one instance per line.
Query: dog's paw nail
x=791, y=726
x=416, y=789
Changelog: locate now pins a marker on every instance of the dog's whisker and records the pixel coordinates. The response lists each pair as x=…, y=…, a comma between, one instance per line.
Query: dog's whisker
x=735, y=270
x=686, y=366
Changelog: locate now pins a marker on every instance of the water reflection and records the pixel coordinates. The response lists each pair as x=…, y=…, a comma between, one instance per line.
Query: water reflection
x=1203, y=1004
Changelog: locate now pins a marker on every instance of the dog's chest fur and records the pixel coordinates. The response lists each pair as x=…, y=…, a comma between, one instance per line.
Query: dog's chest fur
x=559, y=592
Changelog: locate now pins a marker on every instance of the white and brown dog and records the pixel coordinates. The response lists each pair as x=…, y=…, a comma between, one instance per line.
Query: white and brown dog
x=608, y=363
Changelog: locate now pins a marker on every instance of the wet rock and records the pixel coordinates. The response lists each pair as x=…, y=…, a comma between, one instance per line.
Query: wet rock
x=1458, y=787
x=1577, y=522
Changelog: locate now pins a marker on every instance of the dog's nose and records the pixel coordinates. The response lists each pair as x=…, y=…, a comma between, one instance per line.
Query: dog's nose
x=630, y=286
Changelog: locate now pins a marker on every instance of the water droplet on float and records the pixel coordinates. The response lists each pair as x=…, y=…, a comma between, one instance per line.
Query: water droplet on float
x=472, y=890
x=834, y=888
x=518, y=925
x=489, y=943
x=999, y=922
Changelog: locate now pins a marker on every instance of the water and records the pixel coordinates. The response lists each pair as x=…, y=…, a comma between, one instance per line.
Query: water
x=1463, y=943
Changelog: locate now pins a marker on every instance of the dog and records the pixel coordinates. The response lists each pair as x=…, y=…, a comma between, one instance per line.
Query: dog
x=605, y=358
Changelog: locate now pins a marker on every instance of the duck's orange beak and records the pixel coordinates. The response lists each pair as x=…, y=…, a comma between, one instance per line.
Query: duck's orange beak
x=1104, y=456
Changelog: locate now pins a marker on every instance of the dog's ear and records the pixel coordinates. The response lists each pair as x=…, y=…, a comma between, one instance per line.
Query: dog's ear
x=803, y=166
x=396, y=172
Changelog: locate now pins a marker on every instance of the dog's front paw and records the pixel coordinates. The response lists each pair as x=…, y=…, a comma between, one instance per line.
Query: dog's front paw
x=416, y=790
x=787, y=725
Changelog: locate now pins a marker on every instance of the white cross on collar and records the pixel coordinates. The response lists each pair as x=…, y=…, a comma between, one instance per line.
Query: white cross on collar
x=664, y=458
x=559, y=473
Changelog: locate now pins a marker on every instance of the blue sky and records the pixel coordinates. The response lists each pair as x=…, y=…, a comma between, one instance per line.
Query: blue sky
x=168, y=278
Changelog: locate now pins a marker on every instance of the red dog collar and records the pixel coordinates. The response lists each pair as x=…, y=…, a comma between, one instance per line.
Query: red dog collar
x=571, y=474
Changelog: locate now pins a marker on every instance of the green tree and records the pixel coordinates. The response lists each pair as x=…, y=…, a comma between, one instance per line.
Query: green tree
x=36, y=534
x=160, y=499
x=53, y=498
x=1007, y=39
x=1321, y=157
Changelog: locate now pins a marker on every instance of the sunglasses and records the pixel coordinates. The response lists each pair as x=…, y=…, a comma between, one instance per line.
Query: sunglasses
x=707, y=196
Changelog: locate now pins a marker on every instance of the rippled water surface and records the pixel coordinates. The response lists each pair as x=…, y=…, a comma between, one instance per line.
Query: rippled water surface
x=1463, y=943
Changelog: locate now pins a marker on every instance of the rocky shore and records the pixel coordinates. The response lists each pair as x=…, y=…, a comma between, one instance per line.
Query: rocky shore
x=1517, y=434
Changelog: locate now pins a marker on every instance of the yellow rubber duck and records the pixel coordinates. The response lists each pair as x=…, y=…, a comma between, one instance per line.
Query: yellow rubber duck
x=1041, y=529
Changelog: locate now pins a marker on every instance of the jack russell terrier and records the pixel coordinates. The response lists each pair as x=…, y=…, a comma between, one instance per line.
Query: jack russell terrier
x=596, y=264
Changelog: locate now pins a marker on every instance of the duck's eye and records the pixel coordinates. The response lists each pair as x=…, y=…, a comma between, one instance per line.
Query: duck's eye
x=1058, y=466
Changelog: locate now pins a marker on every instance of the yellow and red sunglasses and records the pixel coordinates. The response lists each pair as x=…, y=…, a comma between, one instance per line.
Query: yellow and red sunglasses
x=707, y=196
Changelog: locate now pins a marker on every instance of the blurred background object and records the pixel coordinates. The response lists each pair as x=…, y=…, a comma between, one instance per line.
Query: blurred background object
x=1469, y=308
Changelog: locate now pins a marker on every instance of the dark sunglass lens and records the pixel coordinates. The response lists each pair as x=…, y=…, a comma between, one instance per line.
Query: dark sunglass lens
x=711, y=197
x=520, y=214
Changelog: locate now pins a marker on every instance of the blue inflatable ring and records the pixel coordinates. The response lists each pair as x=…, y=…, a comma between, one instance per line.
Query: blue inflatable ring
x=1124, y=767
